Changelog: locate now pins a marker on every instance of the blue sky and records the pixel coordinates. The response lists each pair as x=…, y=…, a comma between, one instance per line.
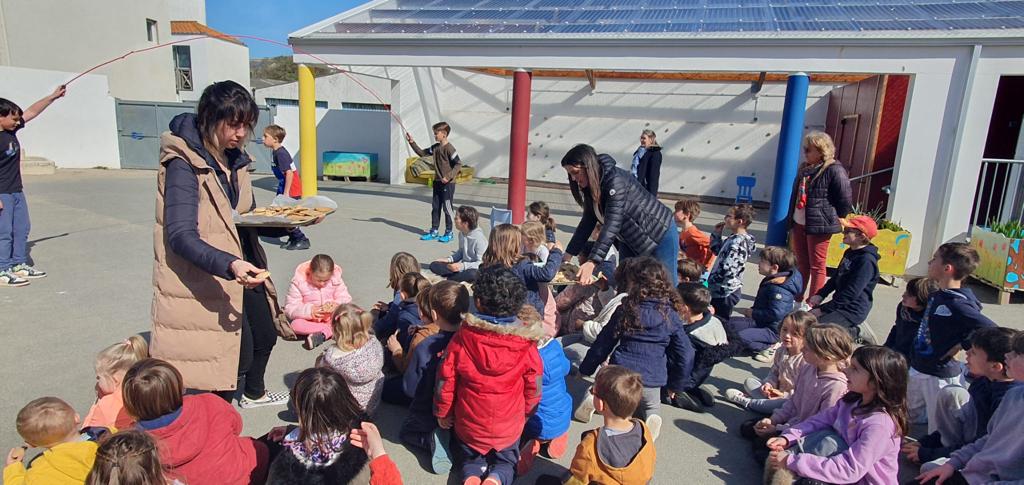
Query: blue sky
x=270, y=19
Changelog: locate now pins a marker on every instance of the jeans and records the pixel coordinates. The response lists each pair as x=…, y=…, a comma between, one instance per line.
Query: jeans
x=441, y=198
x=811, y=252
x=824, y=443
x=667, y=252
x=500, y=464
x=753, y=337
x=14, y=229
x=441, y=269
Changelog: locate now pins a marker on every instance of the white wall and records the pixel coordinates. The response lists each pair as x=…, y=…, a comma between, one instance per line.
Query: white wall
x=76, y=131
x=343, y=131
x=214, y=60
x=334, y=89
x=187, y=10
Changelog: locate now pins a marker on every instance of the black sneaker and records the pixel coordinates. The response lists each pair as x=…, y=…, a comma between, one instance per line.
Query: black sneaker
x=688, y=402
x=705, y=396
x=314, y=340
x=298, y=245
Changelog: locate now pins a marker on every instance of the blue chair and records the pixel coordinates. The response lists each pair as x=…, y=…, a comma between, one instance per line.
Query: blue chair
x=500, y=216
x=745, y=192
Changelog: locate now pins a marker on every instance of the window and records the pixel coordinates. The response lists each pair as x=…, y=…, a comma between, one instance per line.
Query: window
x=182, y=67
x=151, y=33
x=366, y=106
x=292, y=102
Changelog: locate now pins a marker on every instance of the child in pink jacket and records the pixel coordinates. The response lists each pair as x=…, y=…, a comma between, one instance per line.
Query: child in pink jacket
x=316, y=290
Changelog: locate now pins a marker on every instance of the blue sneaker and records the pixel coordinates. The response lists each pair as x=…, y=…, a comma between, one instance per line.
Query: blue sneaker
x=440, y=458
x=430, y=236
x=447, y=237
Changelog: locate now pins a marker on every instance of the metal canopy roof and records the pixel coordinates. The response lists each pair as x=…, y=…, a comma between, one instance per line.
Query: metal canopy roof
x=540, y=19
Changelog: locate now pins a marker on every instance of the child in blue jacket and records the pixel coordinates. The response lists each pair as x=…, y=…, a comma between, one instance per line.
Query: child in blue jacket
x=758, y=327
x=549, y=426
x=392, y=325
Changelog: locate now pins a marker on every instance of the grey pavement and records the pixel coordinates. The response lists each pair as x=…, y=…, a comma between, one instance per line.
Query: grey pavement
x=93, y=230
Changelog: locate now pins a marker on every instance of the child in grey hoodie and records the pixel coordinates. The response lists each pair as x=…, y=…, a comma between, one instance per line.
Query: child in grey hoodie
x=463, y=264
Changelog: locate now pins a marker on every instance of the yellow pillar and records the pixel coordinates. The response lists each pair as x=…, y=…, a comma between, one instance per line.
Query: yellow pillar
x=307, y=131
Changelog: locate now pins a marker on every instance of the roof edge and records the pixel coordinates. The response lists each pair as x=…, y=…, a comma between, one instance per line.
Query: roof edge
x=328, y=21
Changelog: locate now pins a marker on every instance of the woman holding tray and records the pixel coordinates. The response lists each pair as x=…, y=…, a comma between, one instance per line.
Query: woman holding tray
x=215, y=312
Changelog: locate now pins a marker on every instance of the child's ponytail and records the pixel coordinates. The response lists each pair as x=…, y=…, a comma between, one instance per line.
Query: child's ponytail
x=120, y=357
x=351, y=326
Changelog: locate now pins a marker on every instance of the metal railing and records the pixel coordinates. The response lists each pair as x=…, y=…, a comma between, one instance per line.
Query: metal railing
x=999, y=195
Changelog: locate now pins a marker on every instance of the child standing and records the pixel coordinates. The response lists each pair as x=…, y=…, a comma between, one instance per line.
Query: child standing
x=865, y=426
x=539, y=211
x=853, y=286
x=726, y=277
x=288, y=181
x=356, y=355
x=316, y=290
x=488, y=381
x=14, y=220
x=909, y=313
x=111, y=365
x=52, y=424
x=711, y=344
x=462, y=265
x=446, y=169
x=693, y=242
x=549, y=426
x=766, y=397
x=645, y=335
x=758, y=327
x=505, y=249
x=951, y=315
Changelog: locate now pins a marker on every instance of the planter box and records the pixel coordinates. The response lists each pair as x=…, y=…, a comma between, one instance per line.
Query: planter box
x=1002, y=259
x=350, y=164
x=893, y=248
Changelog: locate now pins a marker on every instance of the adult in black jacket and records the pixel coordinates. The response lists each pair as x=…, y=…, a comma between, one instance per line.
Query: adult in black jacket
x=821, y=197
x=631, y=218
x=648, y=162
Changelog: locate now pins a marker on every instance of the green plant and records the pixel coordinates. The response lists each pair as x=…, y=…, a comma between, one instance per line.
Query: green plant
x=879, y=216
x=1011, y=229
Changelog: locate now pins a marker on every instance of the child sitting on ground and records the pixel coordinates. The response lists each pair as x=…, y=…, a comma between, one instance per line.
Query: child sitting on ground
x=853, y=286
x=198, y=433
x=505, y=250
x=539, y=211
x=394, y=385
x=997, y=457
x=548, y=428
x=316, y=290
x=858, y=439
x=51, y=424
x=712, y=343
x=111, y=365
x=693, y=242
x=356, y=355
x=960, y=422
x=758, y=327
x=129, y=458
x=402, y=263
x=463, y=264
x=399, y=317
x=448, y=302
x=818, y=386
x=766, y=397
x=579, y=303
x=318, y=450
x=489, y=378
x=690, y=271
x=725, y=279
x=909, y=313
x=951, y=315
x=536, y=242
x=645, y=335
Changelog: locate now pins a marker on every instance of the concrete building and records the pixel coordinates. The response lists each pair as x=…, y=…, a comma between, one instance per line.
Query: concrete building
x=455, y=61
x=203, y=62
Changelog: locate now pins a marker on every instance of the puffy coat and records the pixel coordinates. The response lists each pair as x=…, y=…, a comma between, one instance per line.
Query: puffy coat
x=399, y=318
x=64, y=464
x=490, y=380
x=202, y=444
x=303, y=296
x=533, y=275
x=587, y=466
x=774, y=299
x=828, y=198
x=648, y=172
x=555, y=409
x=853, y=284
x=632, y=216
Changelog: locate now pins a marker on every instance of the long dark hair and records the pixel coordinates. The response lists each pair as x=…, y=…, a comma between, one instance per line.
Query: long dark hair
x=887, y=371
x=643, y=278
x=225, y=101
x=584, y=157
x=324, y=404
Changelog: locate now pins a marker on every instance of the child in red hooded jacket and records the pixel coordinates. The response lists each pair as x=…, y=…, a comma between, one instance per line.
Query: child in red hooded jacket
x=489, y=380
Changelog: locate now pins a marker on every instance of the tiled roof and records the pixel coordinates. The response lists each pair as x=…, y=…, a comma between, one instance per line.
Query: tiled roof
x=191, y=27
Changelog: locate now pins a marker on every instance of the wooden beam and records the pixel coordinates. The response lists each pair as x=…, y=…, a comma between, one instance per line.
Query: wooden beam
x=680, y=76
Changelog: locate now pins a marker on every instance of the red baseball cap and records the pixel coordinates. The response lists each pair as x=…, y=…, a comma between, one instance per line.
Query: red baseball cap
x=864, y=224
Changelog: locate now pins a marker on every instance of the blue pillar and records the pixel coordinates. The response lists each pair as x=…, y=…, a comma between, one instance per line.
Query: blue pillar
x=788, y=158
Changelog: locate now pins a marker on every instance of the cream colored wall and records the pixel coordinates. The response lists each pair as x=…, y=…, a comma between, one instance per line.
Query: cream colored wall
x=216, y=60
x=188, y=10
x=334, y=89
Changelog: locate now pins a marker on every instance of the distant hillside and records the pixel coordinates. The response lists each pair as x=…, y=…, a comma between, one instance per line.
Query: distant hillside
x=280, y=68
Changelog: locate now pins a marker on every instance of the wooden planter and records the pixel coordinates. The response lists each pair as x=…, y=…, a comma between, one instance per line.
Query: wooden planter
x=1002, y=261
x=893, y=248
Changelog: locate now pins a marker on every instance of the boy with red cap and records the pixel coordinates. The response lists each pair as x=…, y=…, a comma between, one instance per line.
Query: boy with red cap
x=853, y=285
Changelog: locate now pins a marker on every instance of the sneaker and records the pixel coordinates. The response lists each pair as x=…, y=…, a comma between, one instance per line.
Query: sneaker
x=8, y=278
x=314, y=340
x=557, y=446
x=866, y=336
x=491, y=481
x=471, y=481
x=586, y=409
x=268, y=399
x=653, y=423
x=686, y=401
x=430, y=236
x=737, y=397
x=705, y=396
x=440, y=457
x=25, y=271
x=526, y=455
x=445, y=238
x=802, y=306
x=298, y=245
x=767, y=355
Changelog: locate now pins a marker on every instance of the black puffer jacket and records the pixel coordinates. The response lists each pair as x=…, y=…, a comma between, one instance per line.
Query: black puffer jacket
x=632, y=216
x=828, y=198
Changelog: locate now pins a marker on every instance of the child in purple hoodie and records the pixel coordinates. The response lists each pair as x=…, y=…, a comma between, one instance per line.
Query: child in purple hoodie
x=868, y=424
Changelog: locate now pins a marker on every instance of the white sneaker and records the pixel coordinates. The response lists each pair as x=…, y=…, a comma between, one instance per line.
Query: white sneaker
x=801, y=306
x=586, y=409
x=25, y=271
x=767, y=355
x=7, y=278
x=653, y=423
x=737, y=397
x=268, y=399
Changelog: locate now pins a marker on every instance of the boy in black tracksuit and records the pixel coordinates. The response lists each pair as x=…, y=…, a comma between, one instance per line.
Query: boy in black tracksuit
x=853, y=284
x=446, y=169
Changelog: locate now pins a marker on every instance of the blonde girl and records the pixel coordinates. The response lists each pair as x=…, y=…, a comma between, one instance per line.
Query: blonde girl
x=536, y=240
x=505, y=249
x=356, y=355
x=765, y=397
x=111, y=365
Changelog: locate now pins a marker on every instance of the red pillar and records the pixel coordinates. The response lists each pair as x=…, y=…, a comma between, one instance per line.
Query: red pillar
x=518, y=144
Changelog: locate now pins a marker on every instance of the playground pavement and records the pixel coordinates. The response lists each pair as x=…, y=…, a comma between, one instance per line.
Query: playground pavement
x=93, y=233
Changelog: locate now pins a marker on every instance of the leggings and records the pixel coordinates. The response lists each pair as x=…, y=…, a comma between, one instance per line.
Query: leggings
x=258, y=338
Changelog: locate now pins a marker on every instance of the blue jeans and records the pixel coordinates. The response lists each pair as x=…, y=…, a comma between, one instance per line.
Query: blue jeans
x=14, y=228
x=667, y=251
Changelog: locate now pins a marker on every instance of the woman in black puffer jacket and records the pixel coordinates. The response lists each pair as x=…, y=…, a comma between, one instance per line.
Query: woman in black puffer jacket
x=647, y=160
x=821, y=198
x=632, y=218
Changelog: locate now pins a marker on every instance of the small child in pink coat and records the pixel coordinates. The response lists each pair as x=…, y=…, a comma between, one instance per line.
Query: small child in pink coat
x=316, y=290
